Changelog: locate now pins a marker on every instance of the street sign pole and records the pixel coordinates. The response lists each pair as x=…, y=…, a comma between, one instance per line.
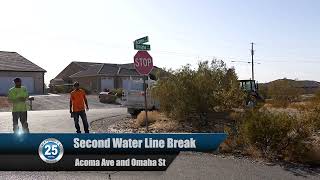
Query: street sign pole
x=145, y=101
x=143, y=63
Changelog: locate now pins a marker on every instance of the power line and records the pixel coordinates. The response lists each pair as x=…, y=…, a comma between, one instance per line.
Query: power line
x=246, y=62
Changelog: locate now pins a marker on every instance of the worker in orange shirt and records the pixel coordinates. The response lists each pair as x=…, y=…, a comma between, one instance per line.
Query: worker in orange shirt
x=78, y=101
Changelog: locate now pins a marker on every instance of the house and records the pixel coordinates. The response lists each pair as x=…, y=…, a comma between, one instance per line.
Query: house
x=96, y=77
x=14, y=65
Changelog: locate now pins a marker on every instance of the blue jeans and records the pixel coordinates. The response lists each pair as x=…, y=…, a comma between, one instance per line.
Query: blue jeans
x=83, y=116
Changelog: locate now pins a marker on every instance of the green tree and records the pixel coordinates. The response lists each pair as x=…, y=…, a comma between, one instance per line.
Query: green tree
x=190, y=94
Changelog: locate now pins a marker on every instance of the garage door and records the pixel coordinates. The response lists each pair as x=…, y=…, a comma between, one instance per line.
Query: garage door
x=125, y=84
x=107, y=83
x=7, y=82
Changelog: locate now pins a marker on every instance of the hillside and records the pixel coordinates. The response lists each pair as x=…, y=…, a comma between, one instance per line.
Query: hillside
x=308, y=86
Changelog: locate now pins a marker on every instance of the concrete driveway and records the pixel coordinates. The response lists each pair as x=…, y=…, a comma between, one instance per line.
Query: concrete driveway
x=55, y=102
x=56, y=121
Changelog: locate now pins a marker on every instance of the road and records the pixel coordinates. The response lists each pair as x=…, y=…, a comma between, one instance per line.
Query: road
x=186, y=166
x=190, y=166
x=56, y=121
x=55, y=102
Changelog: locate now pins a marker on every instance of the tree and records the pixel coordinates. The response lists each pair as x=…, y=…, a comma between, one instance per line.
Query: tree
x=189, y=94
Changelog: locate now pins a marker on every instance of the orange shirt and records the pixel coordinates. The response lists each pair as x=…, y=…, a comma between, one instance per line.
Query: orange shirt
x=77, y=98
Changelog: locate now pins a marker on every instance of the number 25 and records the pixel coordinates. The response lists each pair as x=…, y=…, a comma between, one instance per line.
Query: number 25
x=51, y=150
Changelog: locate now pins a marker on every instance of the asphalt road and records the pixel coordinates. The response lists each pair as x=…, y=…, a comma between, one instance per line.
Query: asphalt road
x=186, y=166
x=191, y=166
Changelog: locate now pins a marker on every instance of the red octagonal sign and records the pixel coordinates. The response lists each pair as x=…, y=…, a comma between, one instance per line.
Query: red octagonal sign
x=143, y=62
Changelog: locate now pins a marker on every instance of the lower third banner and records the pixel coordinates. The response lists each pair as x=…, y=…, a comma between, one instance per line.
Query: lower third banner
x=99, y=152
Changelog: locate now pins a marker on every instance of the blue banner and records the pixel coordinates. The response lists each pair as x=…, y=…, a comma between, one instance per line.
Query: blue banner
x=100, y=152
x=114, y=143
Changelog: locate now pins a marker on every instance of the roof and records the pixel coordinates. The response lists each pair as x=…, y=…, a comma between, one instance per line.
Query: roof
x=85, y=65
x=90, y=71
x=128, y=72
x=109, y=69
x=128, y=66
x=94, y=69
x=12, y=61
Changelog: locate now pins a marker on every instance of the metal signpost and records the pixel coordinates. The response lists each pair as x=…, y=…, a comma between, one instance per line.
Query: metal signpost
x=143, y=63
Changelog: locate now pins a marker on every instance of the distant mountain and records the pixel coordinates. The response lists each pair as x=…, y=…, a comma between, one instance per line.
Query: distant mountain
x=307, y=85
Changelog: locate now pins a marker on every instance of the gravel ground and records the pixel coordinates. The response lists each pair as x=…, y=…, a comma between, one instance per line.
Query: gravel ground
x=110, y=125
x=196, y=165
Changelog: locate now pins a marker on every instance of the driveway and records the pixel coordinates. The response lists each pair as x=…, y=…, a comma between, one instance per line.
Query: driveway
x=57, y=121
x=56, y=102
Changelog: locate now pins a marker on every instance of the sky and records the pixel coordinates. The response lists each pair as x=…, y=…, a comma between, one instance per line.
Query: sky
x=53, y=33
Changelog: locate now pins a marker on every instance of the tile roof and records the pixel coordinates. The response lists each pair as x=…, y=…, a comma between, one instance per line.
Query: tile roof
x=127, y=72
x=91, y=70
x=108, y=69
x=85, y=65
x=12, y=61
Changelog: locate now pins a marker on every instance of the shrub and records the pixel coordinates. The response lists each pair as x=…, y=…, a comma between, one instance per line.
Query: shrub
x=153, y=116
x=189, y=94
x=276, y=135
x=117, y=92
x=87, y=91
x=283, y=92
x=263, y=91
x=313, y=116
x=316, y=99
x=59, y=89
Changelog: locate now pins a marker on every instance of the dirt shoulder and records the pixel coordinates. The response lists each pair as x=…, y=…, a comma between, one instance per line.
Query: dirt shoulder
x=129, y=125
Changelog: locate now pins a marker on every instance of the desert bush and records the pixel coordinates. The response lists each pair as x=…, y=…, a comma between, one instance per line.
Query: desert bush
x=153, y=116
x=86, y=90
x=263, y=91
x=316, y=99
x=189, y=94
x=283, y=93
x=117, y=92
x=276, y=135
x=58, y=89
x=313, y=117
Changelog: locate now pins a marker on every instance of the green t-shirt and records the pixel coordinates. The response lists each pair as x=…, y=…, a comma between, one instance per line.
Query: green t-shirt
x=18, y=97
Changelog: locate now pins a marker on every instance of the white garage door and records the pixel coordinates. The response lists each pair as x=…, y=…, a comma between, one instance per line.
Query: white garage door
x=107, y=83
x=7, y=82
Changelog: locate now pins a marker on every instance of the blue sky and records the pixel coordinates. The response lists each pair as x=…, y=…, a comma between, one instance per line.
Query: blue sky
x=286, y=33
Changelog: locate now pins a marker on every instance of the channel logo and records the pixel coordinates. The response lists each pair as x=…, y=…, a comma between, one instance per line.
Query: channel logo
x=51, y=150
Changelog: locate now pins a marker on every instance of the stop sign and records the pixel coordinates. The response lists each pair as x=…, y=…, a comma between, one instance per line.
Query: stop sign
x=143, y=62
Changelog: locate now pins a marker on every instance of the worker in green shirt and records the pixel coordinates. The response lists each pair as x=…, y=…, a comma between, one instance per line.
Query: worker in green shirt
x=17, y=96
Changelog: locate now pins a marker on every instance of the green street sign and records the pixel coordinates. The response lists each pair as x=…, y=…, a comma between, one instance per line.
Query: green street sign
x=142, y=47
x=141, y=40
x=139, y=44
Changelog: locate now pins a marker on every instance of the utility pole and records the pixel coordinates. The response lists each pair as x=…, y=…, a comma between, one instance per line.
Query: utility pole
x=252, y=66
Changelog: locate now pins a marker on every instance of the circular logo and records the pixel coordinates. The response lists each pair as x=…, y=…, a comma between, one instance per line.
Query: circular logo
x=51, y=150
